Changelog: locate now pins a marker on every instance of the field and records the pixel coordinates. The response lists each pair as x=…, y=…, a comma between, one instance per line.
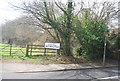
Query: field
x=7, y=49
x=18, y=55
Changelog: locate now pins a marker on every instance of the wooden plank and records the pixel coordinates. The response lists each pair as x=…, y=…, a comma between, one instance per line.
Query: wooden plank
x=44, y=48
x=18, y=49
x=38, y=48
x=5, y=51
x=50, y=49
x=51, y=52
x=37, y=45
x=27, y=48
x=43, y=51
x=10, y=49
x=31, y=51
x=37, y=51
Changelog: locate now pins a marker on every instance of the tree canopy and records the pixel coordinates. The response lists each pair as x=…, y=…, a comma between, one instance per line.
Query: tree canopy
x=88, y=21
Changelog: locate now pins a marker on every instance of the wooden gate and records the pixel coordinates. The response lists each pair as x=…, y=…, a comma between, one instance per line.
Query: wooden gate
x=9, y=49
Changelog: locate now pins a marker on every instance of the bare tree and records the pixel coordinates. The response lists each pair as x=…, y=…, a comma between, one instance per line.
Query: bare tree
x=58, y=17
x=20, y=31
x=61, y=23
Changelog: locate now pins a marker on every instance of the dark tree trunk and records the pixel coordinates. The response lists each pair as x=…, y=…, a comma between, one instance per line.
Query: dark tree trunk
x=66, y=47
x=66, y=35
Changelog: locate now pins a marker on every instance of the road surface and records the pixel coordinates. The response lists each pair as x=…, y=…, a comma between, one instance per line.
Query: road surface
x=103, y=73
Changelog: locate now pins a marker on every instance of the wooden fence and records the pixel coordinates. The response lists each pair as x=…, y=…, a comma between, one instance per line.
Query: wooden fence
x=9, y=49
x=39, y=50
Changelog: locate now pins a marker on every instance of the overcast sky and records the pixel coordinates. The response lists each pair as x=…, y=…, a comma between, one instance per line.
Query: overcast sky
x=6, y=13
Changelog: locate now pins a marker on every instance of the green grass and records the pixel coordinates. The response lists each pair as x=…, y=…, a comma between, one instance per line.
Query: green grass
x=19, y=51
x=5, y=50
x=10, y=59
x=31, y=59
x=19, y=56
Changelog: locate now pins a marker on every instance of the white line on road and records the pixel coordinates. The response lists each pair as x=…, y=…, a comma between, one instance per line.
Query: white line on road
x=114, y=77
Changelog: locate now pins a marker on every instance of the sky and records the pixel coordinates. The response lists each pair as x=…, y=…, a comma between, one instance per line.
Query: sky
x=7, y=13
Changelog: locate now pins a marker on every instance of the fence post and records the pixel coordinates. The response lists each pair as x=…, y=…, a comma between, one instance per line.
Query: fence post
x=58, y=51
x=31, y=51
x=27, y=49
x=10, y=49
x=44, y=51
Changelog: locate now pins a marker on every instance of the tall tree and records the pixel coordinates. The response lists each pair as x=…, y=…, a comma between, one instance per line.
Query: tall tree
x=57, y=19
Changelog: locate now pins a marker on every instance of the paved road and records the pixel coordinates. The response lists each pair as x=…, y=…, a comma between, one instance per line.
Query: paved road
x=21, y=67
x=74, y=74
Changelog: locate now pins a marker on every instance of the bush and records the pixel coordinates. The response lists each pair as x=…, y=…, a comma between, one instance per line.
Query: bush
x=79, y=51
x=91, y=35
x=117, y=48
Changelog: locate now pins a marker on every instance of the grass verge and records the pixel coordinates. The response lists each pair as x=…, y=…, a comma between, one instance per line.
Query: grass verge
x=40, y=59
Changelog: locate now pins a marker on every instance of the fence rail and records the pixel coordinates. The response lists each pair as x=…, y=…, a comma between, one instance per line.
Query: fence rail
x=7, y=49
x=39, y=49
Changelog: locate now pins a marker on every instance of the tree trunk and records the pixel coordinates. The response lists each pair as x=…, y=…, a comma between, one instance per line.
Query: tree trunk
x=66, y=47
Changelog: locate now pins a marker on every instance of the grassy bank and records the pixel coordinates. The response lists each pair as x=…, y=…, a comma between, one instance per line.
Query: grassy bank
x=21, y=51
